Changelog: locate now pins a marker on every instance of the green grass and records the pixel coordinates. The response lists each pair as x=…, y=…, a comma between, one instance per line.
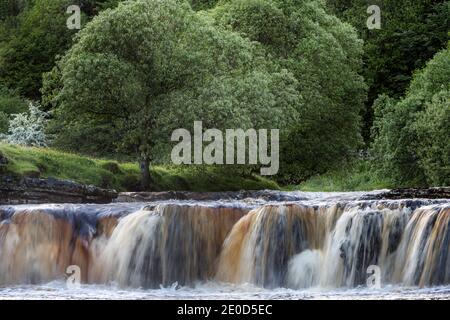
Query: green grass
x=353, y=176
x=45, y=163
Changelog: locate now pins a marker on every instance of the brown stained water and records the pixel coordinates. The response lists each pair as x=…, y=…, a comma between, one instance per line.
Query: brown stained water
x=314, y=246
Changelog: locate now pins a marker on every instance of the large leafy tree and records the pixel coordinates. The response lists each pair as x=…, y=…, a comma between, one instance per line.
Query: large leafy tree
x=324, y=55
x=412, y=134
x=149, y=67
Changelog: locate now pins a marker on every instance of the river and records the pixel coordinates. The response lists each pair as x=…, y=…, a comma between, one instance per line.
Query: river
x=294, y=246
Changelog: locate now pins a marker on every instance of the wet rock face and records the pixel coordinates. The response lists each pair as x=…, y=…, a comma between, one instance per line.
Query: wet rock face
x=35, y=190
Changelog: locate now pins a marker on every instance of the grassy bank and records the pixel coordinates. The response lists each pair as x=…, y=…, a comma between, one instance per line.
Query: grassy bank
x=353, y=176
x=45, y=163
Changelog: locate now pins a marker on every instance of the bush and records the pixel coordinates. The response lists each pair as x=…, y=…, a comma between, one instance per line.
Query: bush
x=354, y=175
x=433, y=145
x=411, y=137
x=28, y=128
x=4, y=122
x=11, y=102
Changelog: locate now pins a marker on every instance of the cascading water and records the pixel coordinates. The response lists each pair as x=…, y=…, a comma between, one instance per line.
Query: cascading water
x=297, y=244
x=333, y=246
x=165, y=244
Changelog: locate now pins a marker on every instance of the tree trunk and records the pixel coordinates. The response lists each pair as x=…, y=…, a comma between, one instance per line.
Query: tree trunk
x=145, y=174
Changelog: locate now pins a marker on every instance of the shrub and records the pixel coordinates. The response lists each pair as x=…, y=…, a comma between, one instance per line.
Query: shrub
x=28, y=129
x=411, y=136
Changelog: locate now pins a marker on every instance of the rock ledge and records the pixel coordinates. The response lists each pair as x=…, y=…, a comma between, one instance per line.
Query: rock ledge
x=36, y=190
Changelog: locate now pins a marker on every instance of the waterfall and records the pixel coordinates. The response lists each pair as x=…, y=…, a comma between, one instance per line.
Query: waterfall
x=298, y=244
x=165, y=244
x=333, y=246
x=153, y=246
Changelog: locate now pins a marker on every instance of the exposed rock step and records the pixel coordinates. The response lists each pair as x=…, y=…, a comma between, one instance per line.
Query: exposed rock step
x=35, y=191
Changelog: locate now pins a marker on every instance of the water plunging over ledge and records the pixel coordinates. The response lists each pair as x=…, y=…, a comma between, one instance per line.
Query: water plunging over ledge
x=286, y=245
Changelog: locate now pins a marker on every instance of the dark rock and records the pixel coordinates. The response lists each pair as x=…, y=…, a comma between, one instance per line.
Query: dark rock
x=425, y=193
x=34, y=190
x=273, y=195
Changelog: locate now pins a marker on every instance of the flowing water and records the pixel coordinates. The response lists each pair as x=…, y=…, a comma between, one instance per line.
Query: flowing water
x=302, y=246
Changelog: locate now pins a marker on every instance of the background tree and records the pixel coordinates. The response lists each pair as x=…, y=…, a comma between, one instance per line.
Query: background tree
x=324, y=55
x=433, y=145
x=411, y=135
x=149, y=67
x=203, y=4
x=11, y=102
x=412, y=32
x=11, y=8
x=31, y=48
x=31, y=42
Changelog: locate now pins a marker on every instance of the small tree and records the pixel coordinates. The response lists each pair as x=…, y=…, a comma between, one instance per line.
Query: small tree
x=28, y=128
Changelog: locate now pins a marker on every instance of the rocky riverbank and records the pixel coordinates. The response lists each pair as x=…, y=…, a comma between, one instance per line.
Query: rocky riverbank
x=28, y=190
x=425, y=193
x=274, y=195
x=35, y=190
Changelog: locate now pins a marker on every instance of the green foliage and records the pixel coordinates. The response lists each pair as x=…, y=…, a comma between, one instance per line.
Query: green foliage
x=93, y=7
x=433, y=145
x=411, y=135
x=33, y=37
x=11, y=8
x=11, y=102
x=203, y=4
x=4, y=122
x=355, y=175
x=86, y=137
x=324, y=55
x=31, y=48
x=412, y=32
x=123, y=176
x=147, y=68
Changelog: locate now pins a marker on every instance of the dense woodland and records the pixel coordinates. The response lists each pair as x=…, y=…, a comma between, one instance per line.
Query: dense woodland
x=341, y=94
